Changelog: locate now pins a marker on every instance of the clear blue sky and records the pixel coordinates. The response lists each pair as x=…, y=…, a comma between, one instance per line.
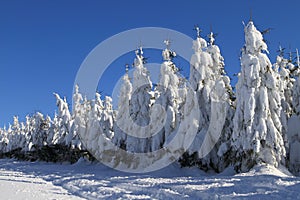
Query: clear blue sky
x=43, y=43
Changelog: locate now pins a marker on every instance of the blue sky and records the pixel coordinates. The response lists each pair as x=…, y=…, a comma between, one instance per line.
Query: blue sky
x=43, y=43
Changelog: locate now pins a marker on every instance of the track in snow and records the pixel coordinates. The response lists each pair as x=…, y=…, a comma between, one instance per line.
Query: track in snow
x=38, y=180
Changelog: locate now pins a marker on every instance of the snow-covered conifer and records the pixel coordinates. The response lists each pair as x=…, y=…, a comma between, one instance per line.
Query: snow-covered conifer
x=122, y=126
x=64, y=136
x=212, y=87
x=107, y=119
x=38, y=132
x=139, y=105
x=217, y=139
x=168, y=98
x=293, y=125
x=257, y=126
x=285, y=80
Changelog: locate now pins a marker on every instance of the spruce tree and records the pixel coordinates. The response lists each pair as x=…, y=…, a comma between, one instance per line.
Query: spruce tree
x=166, y=114
x=139, y=106
x=257, y=127
x=293, y=124
x=122, y=127
x=212, y=86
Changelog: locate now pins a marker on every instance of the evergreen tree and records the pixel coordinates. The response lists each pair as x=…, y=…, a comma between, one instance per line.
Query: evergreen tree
x=122, y=127
x=63, y=136
x=15, y=134
x=168, y=100
x=28, y=134
x=283, y=69
x=201, y=79
x=80, y=109
x=3, y=140
x=39, y=134
x=212, y=86
x=293, y=124
x=216, y=143
x=107, y=118
x=257, y=126
x=139, y=106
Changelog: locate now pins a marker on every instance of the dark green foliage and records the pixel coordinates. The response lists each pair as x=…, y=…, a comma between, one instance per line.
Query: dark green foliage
x=188, y=160
x=245, y=161
x=50, y=153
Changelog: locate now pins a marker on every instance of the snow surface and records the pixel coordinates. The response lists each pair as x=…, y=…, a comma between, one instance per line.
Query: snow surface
x=37, y=180
x=15, y=184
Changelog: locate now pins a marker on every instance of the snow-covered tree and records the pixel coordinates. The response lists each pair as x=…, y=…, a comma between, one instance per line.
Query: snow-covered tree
x=77, y=102
x=98, y=108
x=10, y=139
x=77, y=110
x=257, y=126
x=39, y=131
x=86, y=120
x=217, y=138
x=139, y=105
x=63, y=136
x=293, y=125
x=296, y=91
x=141, y=87
x=28, y=134
x=168, y=99
x=15, y=134
x=107, y=119
x=202, y=81
x=212, y=86
x=122, y=126
x=77, y=119
x=81, y=110
x=285, y=69
x=3, y=140
x=294, y=134
x=92, y=129
x=201, y=62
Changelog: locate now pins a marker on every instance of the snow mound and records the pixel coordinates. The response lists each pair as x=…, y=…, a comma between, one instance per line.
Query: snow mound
x=265, y=169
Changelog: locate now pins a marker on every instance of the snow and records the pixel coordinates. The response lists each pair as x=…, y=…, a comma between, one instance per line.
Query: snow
x=85, y=180
x=16, y=184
